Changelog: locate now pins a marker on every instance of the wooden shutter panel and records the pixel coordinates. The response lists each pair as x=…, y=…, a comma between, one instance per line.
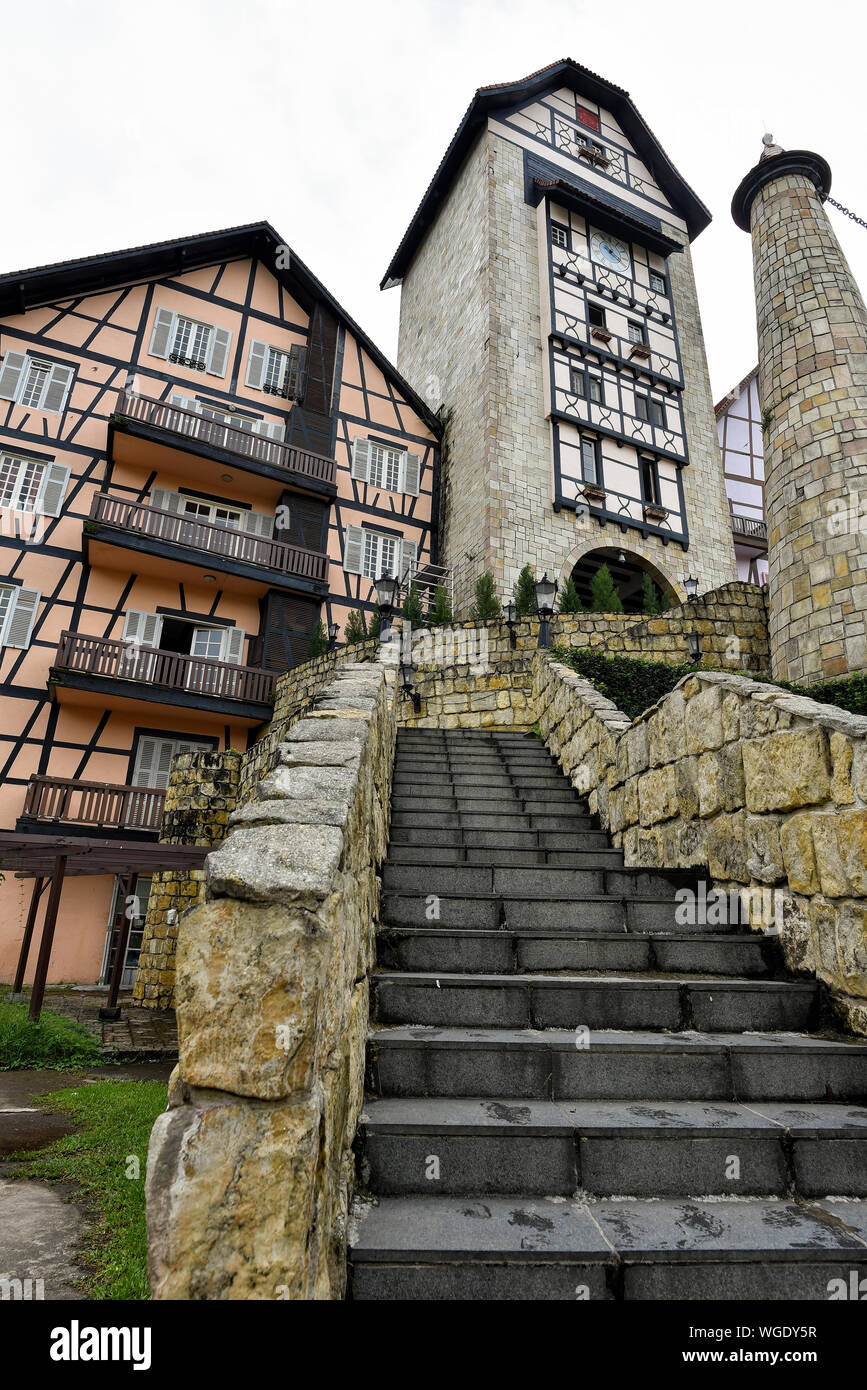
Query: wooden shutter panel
x=57, y=388
x=219, y=355
x=256, y=364
x=21, y=618
x=166, y=500
x=411, y=474
x=353, y=549
x=145, y=762
x=53, y=489
x=233, y=645
x=295, y=371
x=270, y=429
x=408, y=552
x=360, y=459
x=163, y=334
x=257, y=524
x=10, y=374
x=143, y=628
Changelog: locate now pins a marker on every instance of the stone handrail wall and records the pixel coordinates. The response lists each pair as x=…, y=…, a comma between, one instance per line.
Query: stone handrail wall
x=250, y=1170
x=764, y=789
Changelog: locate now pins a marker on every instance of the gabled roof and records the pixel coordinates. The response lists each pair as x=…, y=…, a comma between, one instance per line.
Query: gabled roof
x=564, y=73
x=722, y=406
x=46, y=284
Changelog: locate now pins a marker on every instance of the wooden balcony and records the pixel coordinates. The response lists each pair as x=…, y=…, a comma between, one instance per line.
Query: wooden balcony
x=143, y=431
x=89, y=669
x=68, y=801
x=750, y=528
x=163, y=535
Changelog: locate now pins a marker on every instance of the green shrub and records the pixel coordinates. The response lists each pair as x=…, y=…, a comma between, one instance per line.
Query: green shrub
x=412, y=609
x=525, y=593
x=374, y=627
x=318, y=640
x=441, y=611
x=632, y=685
x=55, y=1042
x=487, y=606
x=651, y=602
x=356, y=628
x=604, y=597
x=569, y=600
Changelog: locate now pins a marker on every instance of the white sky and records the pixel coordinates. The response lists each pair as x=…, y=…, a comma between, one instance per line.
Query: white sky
x=135, y=124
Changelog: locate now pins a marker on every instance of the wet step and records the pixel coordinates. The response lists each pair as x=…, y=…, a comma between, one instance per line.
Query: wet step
x=610, y=1065
x=558, y=817
x=500, y=952
x=519, y=1247
x=506, y=882
x=592, y=913
x=440, y=856
x=563, y=1001
x=642, y=1149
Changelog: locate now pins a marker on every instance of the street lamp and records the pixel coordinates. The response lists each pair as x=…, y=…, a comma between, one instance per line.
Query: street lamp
x=510, y=610
x=546, y=591
x=695, y=645
x=333, y=629
x=409, y=689
x=388, y=602
x=691, y=586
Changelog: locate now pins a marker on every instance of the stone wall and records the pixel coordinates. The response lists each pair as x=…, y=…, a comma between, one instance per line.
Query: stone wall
x=250, y=1170
x=765, y=790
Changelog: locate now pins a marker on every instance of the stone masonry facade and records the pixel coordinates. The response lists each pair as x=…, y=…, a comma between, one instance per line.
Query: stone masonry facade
x=470, y=341
x=813, y=379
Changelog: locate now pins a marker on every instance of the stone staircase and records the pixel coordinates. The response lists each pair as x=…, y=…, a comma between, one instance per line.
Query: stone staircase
x=569, y=1094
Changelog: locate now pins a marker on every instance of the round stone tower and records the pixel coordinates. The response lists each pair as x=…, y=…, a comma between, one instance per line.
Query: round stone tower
x=812, y=327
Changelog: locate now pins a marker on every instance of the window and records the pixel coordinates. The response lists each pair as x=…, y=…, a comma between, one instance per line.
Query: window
x=657, y=282
x=32, y=485
x=650, y=410
x=17, y=615
x=153, y=759
x=588, y=386
x=589, y=461
x=588, y=118
x=189, y=343
x=590, y=144
x=594, y=391
x=650, y=479
x=636, y=332
x=372, y=553
x=276, y=371
x=559, y=236
x=595, y=316
x=383, y=465
x=35, y=382
x=251, y=424
x=577, y=383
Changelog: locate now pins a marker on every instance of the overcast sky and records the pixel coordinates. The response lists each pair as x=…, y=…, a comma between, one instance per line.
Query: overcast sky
x=127, y=124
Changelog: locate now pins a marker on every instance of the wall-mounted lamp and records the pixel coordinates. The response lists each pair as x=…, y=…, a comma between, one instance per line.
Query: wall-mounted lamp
x=691, y=586
x=546, y=592
x=388, y=601
x=510, y=610
x=408, y=686
x=333, y=630
x=695, y=645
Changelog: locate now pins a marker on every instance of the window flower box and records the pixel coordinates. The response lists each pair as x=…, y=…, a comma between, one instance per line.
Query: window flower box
x=640, y=350
x=594, y=495
x=602, y=334
x=652, y=512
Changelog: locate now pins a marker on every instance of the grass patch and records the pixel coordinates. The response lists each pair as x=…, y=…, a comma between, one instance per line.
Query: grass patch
x=116, y=1118
x=56, y=1042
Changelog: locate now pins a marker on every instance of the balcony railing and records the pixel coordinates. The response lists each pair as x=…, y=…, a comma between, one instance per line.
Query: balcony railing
x=67, y=801
x=144, y=520
x=189, y=425
x=749, y=526
x=129, y=661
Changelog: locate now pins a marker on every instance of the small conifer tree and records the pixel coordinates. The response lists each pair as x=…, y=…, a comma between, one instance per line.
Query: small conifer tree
x=569, y=600
x=412, y=607
x=441, y=611
x=356, y=627
x=318, y=640
x=650, y=603
x=603, y=593
x=374, y=626
x=487, y=605
x=525, y=593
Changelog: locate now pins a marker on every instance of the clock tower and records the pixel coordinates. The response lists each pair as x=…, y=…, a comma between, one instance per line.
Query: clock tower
x=548, y=309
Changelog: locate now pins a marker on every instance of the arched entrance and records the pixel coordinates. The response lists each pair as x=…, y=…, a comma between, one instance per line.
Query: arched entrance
x=627, y=570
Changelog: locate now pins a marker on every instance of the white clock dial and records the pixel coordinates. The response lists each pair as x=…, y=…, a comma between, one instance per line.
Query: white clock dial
x=608, y=250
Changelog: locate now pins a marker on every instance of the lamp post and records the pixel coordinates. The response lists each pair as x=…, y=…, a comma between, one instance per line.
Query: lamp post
x=546, y=591
x=510, y=611
x=333, y=629
x=387, y=599
x=409, y=689
x=695, y=645
x=691, y=586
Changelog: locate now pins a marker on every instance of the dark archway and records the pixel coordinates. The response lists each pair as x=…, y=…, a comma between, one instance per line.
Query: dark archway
x=627, y=571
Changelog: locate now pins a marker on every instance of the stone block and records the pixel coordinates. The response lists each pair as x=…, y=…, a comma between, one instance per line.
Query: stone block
x=786, y=770
x=657, y=795
x=270, y=863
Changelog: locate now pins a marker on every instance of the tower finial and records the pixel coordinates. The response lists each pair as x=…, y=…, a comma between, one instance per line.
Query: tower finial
x=770, y=149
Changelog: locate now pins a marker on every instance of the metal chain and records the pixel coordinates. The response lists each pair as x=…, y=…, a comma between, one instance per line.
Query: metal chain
x=840, y=208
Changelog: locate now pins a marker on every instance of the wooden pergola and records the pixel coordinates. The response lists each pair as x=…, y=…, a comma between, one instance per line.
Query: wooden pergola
x=50, y=859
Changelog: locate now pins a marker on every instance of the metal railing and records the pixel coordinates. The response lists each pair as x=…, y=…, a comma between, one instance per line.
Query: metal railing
x=205, y=536
x=68, y=801
x=130, y=661
x=190, y=425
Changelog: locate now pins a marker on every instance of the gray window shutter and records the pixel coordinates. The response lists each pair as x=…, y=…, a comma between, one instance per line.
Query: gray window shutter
x=143, y=628
x=10, y=374
x=219, y=353
x=257, y=524
x=145, y=762
x=57, y=388
x=270, y=429
x=233, y=645
x=408, y=552
x=21, y=618
x=163, y=334
x=166, y=501
x=360, y=459
x=295, y=371
x=353, y=549
x=53, y=489
x=162, y=770
x=256, y=365
x=411, y=474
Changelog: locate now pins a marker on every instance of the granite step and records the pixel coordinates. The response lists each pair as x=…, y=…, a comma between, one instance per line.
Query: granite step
x=595, y=912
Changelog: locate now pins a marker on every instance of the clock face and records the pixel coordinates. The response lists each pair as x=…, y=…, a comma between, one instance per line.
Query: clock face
x=608, y=250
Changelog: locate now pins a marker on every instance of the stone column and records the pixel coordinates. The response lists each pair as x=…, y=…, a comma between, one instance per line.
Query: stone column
x=812, y=328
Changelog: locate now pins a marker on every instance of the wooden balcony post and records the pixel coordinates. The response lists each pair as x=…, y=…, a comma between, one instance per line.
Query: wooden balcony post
x=38, y=993
x=18, y=983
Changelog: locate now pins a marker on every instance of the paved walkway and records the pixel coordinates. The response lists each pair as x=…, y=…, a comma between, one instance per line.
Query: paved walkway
x=144, y=1033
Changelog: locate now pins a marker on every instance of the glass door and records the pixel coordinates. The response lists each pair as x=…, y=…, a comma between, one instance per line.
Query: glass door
x=136, y=910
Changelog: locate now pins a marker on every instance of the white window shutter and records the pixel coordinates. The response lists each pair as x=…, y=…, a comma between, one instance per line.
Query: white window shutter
x=163, y=334
x=270, y=429
x=10, y=374
x=257, y=524
x=408, y=552
x=143, y=628
x=52, y=489
x=218, y=356
x=22, y=616
x=166, y=501
x=145, y=762
x=57, y=388
x=410, y=471
x=360, y=459
x=256, y=364
x=233, y=645
x=353, y=549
